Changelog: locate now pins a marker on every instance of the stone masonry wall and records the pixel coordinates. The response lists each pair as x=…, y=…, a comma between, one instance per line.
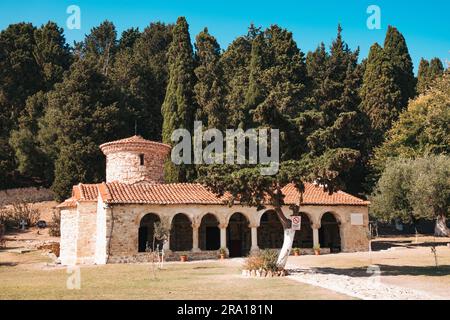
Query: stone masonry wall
x=69, y=232
x=87, y=232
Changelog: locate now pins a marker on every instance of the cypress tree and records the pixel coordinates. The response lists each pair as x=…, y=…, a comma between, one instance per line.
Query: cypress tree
x=380, y=93
x=423, y=76
x=209, y=89
x=235, y=62
x=178, y=107
x=397, y=52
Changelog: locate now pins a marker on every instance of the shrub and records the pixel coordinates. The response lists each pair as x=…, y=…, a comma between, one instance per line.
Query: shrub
x=11, y=216
x=270, y=258
x=54, y=229
x=264, y=260
x=254, y=262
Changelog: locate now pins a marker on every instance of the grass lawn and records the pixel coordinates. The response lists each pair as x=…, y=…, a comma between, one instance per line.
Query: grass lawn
x=27, y=276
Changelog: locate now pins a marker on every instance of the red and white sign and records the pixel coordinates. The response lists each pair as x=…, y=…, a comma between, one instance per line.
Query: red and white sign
x=296, y=222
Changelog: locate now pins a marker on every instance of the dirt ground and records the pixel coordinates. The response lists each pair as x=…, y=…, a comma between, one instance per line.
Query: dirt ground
x=404, y=261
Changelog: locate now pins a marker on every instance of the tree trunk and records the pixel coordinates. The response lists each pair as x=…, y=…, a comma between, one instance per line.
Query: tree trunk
x=289, y=235
x=441, y=229
x=288, y=240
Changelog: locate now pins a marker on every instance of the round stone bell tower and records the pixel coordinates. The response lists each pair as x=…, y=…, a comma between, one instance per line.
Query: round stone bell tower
x=135, y=160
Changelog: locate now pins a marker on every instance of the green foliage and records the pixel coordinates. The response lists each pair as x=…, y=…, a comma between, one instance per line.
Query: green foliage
x=209, y=89
x=421, y=129
x=428, y=73
x=178, y=107
x=397, y=53
x=380, y=93
x=412, y=189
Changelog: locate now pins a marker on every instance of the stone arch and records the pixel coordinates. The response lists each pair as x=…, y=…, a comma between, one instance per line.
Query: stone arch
x=329, y=232
x=146, y=232
x=209, y=232
x=238, y=235
x=304, y=237
x=181, y=233
x=270, y=231
x=229, y=215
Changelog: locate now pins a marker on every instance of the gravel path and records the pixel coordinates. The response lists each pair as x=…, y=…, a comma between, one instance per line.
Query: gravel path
x=366, y=288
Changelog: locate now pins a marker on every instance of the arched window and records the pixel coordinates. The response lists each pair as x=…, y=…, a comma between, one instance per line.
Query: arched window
x=146, y=233
x=238, y=235
x=181, y=233
x=209, y=233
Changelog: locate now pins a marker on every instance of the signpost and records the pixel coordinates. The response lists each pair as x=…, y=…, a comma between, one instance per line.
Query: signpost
x=296, y=222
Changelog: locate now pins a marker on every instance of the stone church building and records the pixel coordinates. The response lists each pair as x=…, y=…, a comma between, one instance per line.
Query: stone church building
x=113, y=222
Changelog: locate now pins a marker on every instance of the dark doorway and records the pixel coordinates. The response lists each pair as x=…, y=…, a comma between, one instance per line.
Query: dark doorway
x=181, y=233
x=209, y=233
x=270, y=231
x=329, y=233
x=145, y=233
x=304, y=237
x=212, y=238
x=238, y=235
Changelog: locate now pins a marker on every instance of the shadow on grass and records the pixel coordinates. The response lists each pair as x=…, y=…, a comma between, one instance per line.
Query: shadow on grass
x=388, y=270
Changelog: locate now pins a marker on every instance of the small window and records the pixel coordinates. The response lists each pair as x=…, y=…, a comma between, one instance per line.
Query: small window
x=141, y=159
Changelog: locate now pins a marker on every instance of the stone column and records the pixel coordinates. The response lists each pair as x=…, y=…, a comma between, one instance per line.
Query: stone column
x=315, y=229
x=195, y=247
x=223, y=236
x=254, y=230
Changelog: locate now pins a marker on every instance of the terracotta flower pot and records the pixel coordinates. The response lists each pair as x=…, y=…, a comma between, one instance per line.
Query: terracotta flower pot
x=183, y=258
x=317, y=252
x=296, y=253
x=222, y=256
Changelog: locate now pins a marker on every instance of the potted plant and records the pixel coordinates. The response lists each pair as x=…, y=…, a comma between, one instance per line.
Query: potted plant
x=296, y=251
x=317, y=249
x=222, y=253
x=183, y=258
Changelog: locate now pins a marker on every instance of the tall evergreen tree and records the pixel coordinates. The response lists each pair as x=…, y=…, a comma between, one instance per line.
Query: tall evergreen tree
x=21, y=76
x=423, y=76
x=397, y=52
x=380, y=93
x=235, y=62
x=428, y=73
x=83, y=112
x=52, y=53
x=101, y=45
x=209, y=89
x=178, y=107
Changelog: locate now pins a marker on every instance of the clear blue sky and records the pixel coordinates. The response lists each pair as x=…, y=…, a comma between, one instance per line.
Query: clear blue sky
x=425, y=24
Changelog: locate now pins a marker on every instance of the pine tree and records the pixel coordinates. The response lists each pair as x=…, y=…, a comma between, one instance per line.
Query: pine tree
x=209, y=89
x=100, y=46
x=83, y=112
x=397, y=52
x=52, y=53
x=178, y=107
x=20, y=78
x=381, y=95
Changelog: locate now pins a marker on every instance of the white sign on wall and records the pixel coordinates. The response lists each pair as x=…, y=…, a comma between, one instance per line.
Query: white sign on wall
x=357, y=219
x=296, y=222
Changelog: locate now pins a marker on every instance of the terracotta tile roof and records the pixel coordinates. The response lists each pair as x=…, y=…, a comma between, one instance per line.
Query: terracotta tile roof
x=192, y=193
x=315, y=195
x=134, y=141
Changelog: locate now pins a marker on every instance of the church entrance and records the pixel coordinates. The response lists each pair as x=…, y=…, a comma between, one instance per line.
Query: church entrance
x=238, y=235
x=146, y=231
